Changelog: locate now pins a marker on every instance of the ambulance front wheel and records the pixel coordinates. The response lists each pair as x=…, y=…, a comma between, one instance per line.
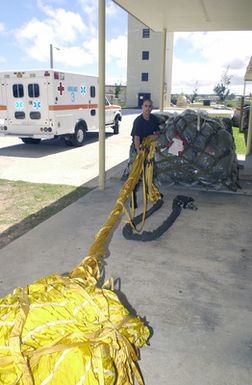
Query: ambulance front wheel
x=116, y=126
x=79, y=136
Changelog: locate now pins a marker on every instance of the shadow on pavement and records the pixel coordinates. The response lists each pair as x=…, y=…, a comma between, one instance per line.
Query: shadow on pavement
x=46, y=147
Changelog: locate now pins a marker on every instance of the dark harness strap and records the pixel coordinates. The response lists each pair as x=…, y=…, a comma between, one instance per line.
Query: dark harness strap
x=181, y=201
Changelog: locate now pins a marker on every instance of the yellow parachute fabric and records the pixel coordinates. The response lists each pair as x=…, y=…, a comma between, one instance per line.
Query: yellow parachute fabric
x=64, y=330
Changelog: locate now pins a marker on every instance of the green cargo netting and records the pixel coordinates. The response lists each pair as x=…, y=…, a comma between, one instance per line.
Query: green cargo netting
x=195, y=149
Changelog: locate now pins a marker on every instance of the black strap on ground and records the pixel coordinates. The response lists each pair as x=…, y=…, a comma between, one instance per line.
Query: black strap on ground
x=179, y=203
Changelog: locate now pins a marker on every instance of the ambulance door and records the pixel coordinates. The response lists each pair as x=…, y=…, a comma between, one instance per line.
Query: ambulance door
x=37, y=102
x=109, y=113
x=16, y=103
x=3, y=102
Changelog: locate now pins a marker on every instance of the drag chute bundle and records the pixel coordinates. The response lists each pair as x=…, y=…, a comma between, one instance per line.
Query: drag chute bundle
x=196, y=149
x=65, y=329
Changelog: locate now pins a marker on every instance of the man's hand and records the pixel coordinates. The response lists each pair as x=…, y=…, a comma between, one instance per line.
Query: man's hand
x=137, y=143
x=155, y=135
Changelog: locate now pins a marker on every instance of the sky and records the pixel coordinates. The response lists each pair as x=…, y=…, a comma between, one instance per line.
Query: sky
x=28, y=27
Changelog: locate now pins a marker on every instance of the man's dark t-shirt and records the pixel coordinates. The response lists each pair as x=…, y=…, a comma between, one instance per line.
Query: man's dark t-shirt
x=143, y=128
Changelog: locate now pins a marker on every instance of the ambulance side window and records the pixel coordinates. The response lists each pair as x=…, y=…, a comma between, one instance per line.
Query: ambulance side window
x=92, y=91
x=33, y=90
x=18, y=90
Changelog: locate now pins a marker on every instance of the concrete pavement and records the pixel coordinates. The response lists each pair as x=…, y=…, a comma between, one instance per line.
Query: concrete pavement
x=193, y=285
x=53, y=162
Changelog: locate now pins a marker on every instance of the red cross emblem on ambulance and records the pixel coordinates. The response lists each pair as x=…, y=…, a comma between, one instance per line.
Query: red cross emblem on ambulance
x=61, y=88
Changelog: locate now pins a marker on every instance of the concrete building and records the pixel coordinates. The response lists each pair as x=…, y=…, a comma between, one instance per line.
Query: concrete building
x=144, y=69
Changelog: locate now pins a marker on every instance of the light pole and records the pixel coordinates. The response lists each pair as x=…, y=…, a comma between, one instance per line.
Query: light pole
x=51, y=54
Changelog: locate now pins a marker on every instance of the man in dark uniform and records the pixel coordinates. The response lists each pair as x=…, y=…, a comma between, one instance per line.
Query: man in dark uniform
x=144, y=125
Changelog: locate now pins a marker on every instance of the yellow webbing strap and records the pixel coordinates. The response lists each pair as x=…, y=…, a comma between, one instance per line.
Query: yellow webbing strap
x=14, y=338
x=89, y=266
x=130, y=216
x=150, y=191
x=64, y=329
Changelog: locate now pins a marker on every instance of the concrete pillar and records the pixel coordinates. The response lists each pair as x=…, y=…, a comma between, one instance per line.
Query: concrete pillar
x=249, y=137
x=169, y=60
x=162, y=72
x=101, y=101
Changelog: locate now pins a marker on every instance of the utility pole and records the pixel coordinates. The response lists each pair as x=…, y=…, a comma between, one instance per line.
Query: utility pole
x=101, y=98
x=51, y=54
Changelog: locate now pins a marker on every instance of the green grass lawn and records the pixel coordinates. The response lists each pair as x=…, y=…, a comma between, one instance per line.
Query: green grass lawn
x=240, y=143
x=220, y=115
x=24, y=205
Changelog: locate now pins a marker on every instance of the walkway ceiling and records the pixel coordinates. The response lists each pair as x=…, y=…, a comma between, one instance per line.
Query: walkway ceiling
x=191, y=15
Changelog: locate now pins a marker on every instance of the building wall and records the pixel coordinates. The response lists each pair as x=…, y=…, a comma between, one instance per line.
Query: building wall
x=136, y=65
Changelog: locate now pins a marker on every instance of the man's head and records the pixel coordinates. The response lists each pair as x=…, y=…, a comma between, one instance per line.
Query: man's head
x=147, y=107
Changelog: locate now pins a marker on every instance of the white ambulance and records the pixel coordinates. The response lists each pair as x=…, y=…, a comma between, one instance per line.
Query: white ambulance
x=44, y=104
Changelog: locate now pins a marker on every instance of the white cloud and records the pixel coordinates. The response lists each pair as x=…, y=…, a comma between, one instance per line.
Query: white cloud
x=63, y=29
x=60, y=27
x=236, y=64
x=3, y=31
x=117, y=51
x=75, y=57
x=111, y=9
x=91, y=46
x=224, y=45
x=89, y=9
x=185, y=76
x=66, y=26
x=214, y=52
x=76, y=40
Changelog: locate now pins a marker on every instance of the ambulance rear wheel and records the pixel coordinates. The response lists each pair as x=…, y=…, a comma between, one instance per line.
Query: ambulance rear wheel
x=31, y=140
x=68, y=142
x=79, y=136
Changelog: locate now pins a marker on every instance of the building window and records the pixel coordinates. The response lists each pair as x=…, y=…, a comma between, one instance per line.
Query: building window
x=145, y=76
x=145, y=55
x=146, y=33
x=18, y=90
x=92, y=91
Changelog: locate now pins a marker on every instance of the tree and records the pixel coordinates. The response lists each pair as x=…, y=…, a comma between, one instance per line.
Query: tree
x=117, y=89
x=221, y=89
x=195, y=92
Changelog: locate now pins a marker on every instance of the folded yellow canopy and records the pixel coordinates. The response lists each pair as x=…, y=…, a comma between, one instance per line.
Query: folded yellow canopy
x=64, y=330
